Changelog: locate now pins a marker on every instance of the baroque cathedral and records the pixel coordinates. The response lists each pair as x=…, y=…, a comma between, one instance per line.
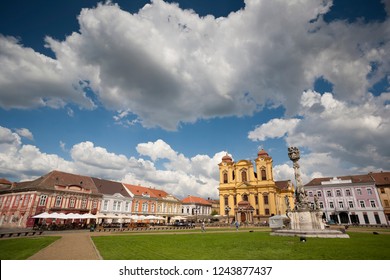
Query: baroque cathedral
x=248, y=193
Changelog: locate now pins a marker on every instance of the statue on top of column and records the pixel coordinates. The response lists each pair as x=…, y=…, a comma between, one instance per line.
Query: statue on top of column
x=301, y=200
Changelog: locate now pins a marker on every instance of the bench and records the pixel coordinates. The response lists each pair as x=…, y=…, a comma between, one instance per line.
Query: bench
x=20, y=233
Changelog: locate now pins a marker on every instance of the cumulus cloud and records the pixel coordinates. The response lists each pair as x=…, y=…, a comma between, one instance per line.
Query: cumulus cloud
x=24, y=132
x=23, y=162
x=275, y=128
x=166, y=65
x=29, y=79
x=341, y=137
x=179, y=176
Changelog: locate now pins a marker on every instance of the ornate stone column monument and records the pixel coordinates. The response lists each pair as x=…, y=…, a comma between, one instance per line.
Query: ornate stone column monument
x=305, y=219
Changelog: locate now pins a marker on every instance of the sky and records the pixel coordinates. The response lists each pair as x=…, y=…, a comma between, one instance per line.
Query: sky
x=156, y=92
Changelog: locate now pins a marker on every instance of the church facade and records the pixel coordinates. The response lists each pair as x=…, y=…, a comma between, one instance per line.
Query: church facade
x=248, y=192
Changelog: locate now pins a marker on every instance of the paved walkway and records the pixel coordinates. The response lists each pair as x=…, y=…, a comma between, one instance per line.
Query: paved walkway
x=71, y=246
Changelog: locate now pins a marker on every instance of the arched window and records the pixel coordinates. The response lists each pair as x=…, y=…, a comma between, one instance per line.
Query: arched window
x=225, y=178
x=245, y=197
x=243, y=176
x=263, y=174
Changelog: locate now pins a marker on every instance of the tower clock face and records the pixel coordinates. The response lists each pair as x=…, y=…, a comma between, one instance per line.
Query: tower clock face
x=224, y=163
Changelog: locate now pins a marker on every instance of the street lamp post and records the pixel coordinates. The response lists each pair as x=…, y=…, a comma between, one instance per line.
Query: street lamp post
x=227, y=209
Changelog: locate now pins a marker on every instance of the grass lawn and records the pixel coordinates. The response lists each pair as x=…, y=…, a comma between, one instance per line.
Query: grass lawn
x=22, y=248
x=241, y=246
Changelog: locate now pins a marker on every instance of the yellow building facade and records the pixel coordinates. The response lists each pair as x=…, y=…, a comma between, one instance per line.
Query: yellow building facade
x=248, y=192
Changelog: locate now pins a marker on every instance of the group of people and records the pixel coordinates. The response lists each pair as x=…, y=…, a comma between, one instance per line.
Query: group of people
x=203, y=226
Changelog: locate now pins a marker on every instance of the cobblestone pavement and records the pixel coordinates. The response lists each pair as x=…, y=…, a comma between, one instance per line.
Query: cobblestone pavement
x=71, y=246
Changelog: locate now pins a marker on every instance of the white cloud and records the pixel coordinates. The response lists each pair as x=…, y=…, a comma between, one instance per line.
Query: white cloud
x=275, y=128
x=179, y=176
x=25, y=161
x=166, y=65
x=341, y=137
x=24, y=132
x=29, y=79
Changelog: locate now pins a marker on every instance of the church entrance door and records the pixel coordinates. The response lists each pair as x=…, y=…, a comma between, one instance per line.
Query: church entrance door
x=243, y=217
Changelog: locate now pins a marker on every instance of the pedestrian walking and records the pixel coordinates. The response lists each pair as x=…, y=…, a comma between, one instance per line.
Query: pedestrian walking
x=203, y=227
x=237, y=225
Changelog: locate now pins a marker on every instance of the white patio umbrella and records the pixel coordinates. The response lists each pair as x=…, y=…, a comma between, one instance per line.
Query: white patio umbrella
x=56, y=215
x=43, y=215
x=73, y=216
x=151, y=217
x=179, y=218
x=88, y=216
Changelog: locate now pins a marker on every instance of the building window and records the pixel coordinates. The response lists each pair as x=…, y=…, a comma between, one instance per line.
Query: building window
x=94, y=204
x=366, y=220
x=117, y=205
x=225, y=178
x=319, y=193
x=377, y=219
x=84, y=203
x=245, y=197
x=263, y=174
x=321, y=205
x=311, y=194
x=152, y=208
x=350, y=204
x=145, y=207
x=362, y=204
x=72, y=202
x=136, y=206
x=331, y=205
x=26, y=199
x=42, y=200
x=256, y=200
x=341, y=204
x=226, y=200
x=369, y=191
x=244, y=176
x=58, y=201
x=382, y=190
x=328, y=193
x=16, y=202
x=359, y=191
x=265, y=199
x=338, y=192
x=105, y=205
x=266, y=211
x=348, y=192
x=127, y=206
x=372, y=203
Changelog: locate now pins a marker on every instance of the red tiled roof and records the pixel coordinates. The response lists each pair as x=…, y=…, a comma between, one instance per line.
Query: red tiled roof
x=59, y=178
x=381, y=178
x=4, y=181
x=139, y=190
x=195, y=200
x=110, y=187
x=283, y=185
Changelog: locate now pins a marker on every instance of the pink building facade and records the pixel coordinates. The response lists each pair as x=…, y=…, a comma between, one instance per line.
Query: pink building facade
x=348, y=199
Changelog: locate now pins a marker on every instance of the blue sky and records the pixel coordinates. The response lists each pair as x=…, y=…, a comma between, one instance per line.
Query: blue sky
x=155, y=93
